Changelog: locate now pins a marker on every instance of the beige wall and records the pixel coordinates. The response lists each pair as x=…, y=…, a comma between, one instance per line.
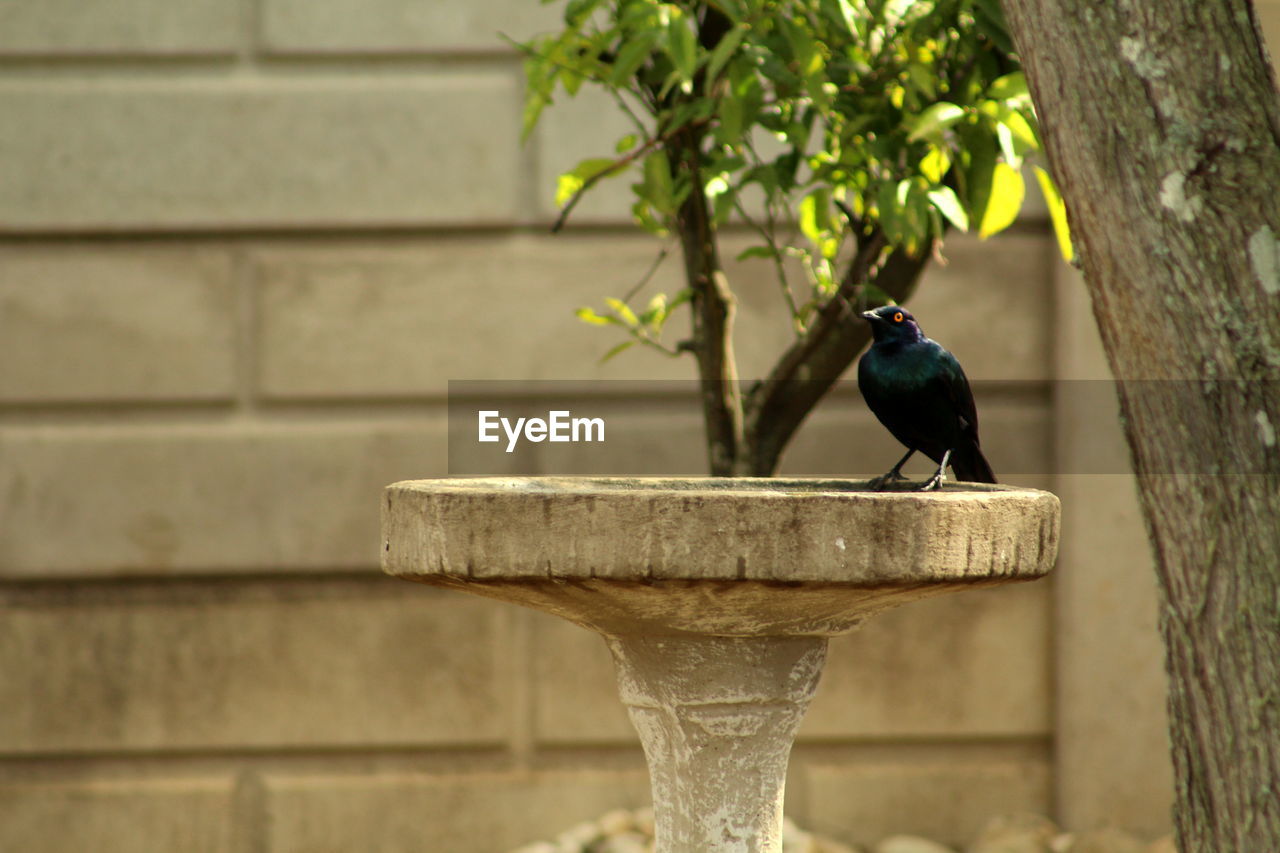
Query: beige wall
x=243, y=247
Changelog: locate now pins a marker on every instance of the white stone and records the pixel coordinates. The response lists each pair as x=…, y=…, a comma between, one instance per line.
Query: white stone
x=1017, y=833
x=628, y=842
x=580, y=835
x=1130, y=48
x=1265, y=429
x=617, y=822
x=1264, y=257
x=1173, y=197
x=910, y=844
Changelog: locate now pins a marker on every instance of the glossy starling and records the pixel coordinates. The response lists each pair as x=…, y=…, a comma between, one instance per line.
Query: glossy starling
x=918, y=391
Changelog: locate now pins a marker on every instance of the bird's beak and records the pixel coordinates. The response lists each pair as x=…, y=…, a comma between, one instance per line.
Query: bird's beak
x=870, y=315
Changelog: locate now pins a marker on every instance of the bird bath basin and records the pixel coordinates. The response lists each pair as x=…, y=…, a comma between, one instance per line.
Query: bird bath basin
x=716, y=598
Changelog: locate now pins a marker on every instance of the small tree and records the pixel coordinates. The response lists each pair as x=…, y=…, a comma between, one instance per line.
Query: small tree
x=849, y=136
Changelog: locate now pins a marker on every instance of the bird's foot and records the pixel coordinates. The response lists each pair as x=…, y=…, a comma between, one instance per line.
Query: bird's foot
x=879, y=484
x=934, y=482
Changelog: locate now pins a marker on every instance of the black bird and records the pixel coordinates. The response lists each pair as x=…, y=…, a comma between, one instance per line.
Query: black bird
x=918, y=391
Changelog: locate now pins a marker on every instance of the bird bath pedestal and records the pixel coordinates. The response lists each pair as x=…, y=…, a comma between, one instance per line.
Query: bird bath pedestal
x=716, y=598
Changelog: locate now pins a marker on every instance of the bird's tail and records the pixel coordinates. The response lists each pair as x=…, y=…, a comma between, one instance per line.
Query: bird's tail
x=971, y=466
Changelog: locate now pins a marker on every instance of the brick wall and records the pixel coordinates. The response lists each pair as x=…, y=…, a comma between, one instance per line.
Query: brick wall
x=243, y=247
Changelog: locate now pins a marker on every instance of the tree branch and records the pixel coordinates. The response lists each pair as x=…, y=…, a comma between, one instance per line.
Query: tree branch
x=618, y=165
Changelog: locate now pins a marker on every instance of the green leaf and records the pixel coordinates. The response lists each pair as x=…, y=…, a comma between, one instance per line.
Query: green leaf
x=934, y=165
x=717, y=185
x=626, y=143
x=886, y=210
x=915, y=213
x=804, y=48
x=687, y=112
x=1057, y=213
x=935, y=119
x=924, y=78
x=540, y=77
x=730, y=115
x=1007, y=191
x=659, y=188
x=632, y=55
x=848, y=18
x=820, y=90
x=756, y=252
x=656, y=312
x=722, y=194
x=576, y=11
x=643, y=214
x=1024, y=135
x=732, y=8
x=673, y=79
x=948, y=204
x=979, y=151
x=737, y=110
x=1008, y=148
x=682, y=45
x=586, y=315
x=815, y=216
x=623, y=310
x=571, y=183
x=724, y=51
x=533, y=106
x=990, y=21
x=1010, y=87
x=622, y=347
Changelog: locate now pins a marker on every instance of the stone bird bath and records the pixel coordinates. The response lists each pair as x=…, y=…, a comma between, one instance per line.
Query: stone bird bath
x=716, y=598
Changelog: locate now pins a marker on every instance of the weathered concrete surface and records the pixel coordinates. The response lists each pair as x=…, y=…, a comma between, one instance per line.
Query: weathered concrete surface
x=716, y=597
x=717, y=716
x=732, y=557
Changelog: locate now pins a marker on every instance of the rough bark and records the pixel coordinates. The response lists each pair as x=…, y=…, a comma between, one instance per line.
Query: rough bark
x=1162, y=125
x=712, y=343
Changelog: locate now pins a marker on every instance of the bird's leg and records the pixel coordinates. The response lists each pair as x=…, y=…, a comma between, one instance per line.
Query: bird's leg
x=936, y=481
x=895, y=473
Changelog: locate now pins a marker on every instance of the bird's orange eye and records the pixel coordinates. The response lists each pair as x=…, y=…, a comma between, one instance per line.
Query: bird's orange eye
x=897, y=317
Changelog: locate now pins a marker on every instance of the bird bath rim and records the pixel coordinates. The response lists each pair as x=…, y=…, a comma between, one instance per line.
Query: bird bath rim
x=792, y=486
x=713, y=556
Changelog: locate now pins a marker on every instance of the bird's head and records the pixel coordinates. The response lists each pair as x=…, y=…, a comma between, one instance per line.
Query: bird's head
x=893, y=323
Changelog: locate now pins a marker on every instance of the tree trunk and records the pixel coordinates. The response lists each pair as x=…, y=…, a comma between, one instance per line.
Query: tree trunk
x=1162, y=125
x=713, y=308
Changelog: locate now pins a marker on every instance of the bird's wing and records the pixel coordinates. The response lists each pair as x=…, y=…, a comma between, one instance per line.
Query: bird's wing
x=955, y=386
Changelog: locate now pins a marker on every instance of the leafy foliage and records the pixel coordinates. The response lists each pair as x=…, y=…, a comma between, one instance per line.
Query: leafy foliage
x=822, y=124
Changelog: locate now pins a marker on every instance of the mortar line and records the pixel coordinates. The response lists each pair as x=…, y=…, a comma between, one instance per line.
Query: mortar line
x=319, y=233
x=445, y=759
